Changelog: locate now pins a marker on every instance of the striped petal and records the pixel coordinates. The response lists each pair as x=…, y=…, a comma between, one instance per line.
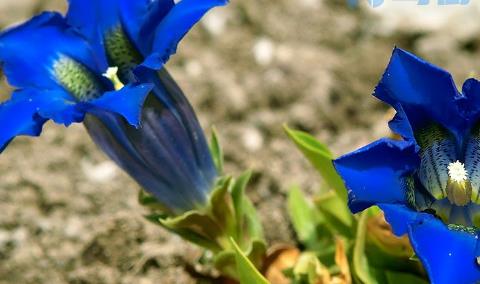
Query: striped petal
x=437, y=151
x=472, y=162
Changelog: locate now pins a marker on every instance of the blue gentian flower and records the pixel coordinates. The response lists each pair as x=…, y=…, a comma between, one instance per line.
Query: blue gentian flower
x=98, y=65
x=57, y=76
x=58, y=63
x=168, y=155
x=428, y=182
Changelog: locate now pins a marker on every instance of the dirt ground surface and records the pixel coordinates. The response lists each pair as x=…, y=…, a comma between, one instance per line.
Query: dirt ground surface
x=69, y=215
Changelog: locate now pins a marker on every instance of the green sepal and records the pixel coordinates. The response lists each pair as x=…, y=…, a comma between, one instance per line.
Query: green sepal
x=227, y=214
x=198, y=228
x=216, y=151
x=217, y=221
x=336, y=214
x=246, y=270
x=151, y=202
x=221, y=207
x=320, y=157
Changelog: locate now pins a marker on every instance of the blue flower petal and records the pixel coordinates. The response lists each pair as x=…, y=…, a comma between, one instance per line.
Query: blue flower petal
x=145, y=36
x=138, y=19
x=470, y=102
x=33, y=47
x=173, y=28
x=448, y=255
x=95, y=18
x=400, y=217
x=424, y=92
x=167, y=146
x=58, y=105
x=159, y=154
x=84, y=16
x=170, y=94
x=375, y=174
x=400, y=124
x=54, y=104
x=127, y=102
x=18, y=117
x=109, y=131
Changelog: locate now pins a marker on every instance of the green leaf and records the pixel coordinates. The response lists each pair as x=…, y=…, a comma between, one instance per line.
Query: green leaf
x=336, y=214
x=302, y=215
x=320, y=157
x=238, y=196
x=216, y=151
x=252, y=227
x=225, y=261
x=394, y=277
x=361, y=268
x=247, y=273
x=257, y=252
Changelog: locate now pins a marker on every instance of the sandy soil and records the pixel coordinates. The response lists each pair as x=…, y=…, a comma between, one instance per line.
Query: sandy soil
x=68, y=215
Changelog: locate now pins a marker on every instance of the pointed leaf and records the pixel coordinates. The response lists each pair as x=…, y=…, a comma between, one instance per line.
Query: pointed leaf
x=252, y=227
x=257, y=252
x=247, y=273
x=361, y=268
x=225, y=260
x=335, y=213
x=238, y=195
x=320, y=157
x=216, y=151
x=302, y=215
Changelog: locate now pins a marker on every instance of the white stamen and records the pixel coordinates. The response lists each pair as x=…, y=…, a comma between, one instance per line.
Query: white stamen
x=457, y=171
x=111, y=72
x=112, y=75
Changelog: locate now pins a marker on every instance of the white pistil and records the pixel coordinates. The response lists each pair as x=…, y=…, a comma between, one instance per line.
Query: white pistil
x=457, y=172
x=111, y=74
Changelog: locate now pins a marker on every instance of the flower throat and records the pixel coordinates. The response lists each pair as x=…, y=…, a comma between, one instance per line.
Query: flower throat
x=447, y=181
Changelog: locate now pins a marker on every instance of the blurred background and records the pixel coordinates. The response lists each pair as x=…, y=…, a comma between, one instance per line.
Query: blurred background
x=68, y=215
